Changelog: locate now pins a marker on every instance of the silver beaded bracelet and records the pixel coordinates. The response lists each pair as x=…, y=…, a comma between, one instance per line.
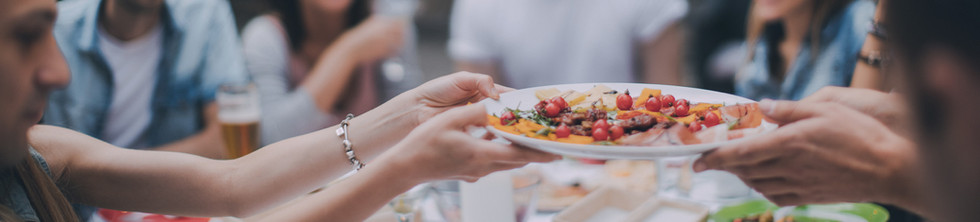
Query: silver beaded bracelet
x=348, y=147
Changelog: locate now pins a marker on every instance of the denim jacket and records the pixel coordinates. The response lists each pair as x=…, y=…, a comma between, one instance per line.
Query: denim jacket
x=833, y=65
x=200, y=51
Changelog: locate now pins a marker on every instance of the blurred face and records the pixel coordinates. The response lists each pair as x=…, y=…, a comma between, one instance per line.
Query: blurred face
x=332, y=6
x=944, y=99
x=772, y=10
x=31, y=66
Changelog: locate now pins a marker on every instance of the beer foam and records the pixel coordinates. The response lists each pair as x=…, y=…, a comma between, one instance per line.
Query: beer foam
x=239, y=116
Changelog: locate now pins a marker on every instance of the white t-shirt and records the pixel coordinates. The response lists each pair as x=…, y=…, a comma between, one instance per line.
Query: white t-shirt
x=134, y=65
x=543, y=42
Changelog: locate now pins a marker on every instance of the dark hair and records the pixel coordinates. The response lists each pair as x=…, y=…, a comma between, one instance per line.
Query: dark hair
x=823, y=11
x=918, y=24
x=292, y=18
x=47, y=200
x=914, y=26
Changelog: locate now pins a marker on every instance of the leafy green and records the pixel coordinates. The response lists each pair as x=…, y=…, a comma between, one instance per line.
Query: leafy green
x=544, y=132
x=604, y=142
x=532, y=115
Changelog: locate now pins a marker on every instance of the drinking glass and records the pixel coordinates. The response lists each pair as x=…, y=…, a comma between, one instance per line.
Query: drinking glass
x=525, y=195
x=239, y=113
x=673, y=176
x=406, y=204
x=397, y=67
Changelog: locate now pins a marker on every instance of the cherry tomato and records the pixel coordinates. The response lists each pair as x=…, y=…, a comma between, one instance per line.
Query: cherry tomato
x=615, y=132
x=667, y=101
x=695, y=126
x=681, y=110
x=562, y=131
x=624, y=101
x=600, y=134
x=682, y=101
x=601, y=124
x=558, y=100
x=551, y=110
x=653, y=104
x=711, y=119
x=507, y=118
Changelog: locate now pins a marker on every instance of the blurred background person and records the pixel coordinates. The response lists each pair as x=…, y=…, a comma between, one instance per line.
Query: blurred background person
x=144, y=73
x=526, y=43
x=935, y=54
x=916, y=148
x=315, y=61
x=799, y=46
x=715, y=46
x=137, y=64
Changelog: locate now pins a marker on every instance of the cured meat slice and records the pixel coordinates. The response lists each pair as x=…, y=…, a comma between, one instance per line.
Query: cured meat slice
x=742, y=116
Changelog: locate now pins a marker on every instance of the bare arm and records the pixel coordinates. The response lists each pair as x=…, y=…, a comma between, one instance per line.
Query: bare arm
x=456, y=155
x=867, y=76
x=206, y=143
x=97, y=173
x=662, y=57
x=376, y=38
x=102, y=175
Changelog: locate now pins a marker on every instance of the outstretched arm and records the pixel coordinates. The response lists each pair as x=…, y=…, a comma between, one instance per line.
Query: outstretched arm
x=454, y=154
x=99, y=174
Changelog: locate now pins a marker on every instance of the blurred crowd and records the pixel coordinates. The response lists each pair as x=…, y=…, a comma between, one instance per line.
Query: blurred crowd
x=147, y=74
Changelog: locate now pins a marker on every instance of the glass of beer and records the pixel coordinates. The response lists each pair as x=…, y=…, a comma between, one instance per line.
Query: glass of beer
x=239, y=112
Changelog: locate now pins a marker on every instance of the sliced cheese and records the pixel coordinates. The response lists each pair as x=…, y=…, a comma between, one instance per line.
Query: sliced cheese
x=589, y=101
x=573, y=97
x=609, y=101
x=598, y=89
x=546, y=93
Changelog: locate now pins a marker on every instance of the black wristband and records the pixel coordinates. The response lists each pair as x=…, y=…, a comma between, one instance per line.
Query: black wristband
x=872, y=58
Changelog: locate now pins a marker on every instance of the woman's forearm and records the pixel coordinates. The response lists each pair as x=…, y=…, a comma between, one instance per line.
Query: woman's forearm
x=182, y=184
x=353, y=199
x=304, y=163
x=866, y=75
x=329, y=77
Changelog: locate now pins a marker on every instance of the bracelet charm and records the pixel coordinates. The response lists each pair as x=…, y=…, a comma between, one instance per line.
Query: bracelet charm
x=342, y=131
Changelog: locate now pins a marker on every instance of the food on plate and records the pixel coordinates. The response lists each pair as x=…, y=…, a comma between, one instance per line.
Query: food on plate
x=605, y=116
x=764, y=217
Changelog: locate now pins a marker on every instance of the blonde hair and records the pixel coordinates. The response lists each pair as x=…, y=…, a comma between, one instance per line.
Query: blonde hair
x=822, y=10
x=46, y=199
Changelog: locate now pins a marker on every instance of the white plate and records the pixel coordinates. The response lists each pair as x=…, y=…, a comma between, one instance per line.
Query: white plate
x=526, y=99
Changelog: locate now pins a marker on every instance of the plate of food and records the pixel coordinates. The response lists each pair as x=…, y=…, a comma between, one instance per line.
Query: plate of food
x=765, y=211
x=623, y=120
